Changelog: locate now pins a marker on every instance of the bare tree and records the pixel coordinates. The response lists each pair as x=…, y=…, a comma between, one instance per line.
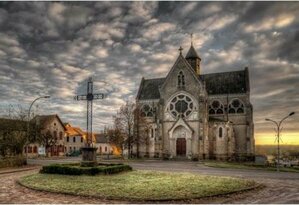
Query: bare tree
x=125, y=123
x=141, y=129
x=47, y=140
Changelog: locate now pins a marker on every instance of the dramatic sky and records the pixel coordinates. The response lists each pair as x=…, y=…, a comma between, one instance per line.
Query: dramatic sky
x=49, y=48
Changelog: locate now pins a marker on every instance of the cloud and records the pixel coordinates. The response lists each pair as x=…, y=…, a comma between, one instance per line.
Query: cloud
x=54, y=47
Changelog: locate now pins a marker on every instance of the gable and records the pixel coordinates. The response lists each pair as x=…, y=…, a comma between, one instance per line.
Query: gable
x=181, y=64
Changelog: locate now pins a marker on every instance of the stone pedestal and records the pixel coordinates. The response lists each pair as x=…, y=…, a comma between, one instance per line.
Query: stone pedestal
x=89, y=156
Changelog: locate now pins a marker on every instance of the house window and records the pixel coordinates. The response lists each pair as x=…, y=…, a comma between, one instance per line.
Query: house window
x=100, y=149
x=60, y=135
x=67, y=138
x=105, y=149
x=74, y=139
x=81, y=139
x=54, y=124
x=35, y=149
x=55, y=135
x=74, y=148
x=220, y=132
x=70, y=148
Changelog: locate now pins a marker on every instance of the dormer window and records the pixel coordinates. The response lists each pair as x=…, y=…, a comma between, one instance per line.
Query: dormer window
x=181, y=79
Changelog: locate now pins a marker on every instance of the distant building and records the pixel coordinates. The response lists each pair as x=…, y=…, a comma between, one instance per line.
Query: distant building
x=74, y=138
x=194, y=115
x=51, y=128
x=104, y=146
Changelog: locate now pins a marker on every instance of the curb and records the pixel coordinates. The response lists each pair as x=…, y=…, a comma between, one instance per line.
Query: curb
x=18, y=170
x=254, y=187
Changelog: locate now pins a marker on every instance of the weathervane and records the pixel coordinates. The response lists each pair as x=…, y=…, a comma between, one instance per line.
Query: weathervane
x=89, y=97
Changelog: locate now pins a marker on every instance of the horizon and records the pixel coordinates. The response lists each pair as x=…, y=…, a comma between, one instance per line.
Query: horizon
x=52, y=48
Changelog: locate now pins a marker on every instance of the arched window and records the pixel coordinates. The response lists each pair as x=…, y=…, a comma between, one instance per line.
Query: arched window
x=181, y=79
x=60, y=135
x=236, y=106
x=220, y=132
x=147, y=111
x=216, y=107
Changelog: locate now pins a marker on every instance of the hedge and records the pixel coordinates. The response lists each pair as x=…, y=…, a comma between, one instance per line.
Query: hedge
x=74, y=169
x=14, y=161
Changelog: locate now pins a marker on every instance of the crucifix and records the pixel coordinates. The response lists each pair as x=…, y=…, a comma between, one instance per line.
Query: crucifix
x=89, y=97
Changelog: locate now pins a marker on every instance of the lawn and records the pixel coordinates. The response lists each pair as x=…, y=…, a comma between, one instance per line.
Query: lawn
x=138, y=185
x=235, y=165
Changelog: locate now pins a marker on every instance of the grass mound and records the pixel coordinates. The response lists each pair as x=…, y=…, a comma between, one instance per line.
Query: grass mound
x=138, y=185
x=76, y=169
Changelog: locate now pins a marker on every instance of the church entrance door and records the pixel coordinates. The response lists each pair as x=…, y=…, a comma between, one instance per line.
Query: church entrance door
x=181, y=147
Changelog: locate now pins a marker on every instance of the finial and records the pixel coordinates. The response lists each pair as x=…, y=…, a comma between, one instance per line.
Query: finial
x=180, y=49
x=191, y=36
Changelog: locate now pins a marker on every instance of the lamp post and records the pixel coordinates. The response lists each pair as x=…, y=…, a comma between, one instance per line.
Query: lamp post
x=28, y=123
x=278, y=130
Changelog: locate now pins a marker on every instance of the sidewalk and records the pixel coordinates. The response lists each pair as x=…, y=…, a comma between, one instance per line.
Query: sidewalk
x=17, y=169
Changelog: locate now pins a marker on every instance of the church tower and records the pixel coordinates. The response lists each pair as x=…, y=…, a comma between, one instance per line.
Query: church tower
x=193, y=58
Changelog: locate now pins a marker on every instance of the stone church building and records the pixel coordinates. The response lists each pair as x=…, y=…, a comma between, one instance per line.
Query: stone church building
x=196, y=116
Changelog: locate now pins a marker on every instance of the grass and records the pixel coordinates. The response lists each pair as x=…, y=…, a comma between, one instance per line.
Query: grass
x=138, y=185
x=235, y=165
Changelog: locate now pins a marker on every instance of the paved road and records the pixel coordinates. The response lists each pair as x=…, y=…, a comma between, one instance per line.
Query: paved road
x=279, y=187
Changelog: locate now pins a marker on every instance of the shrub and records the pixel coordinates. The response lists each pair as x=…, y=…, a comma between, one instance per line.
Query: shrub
x=15, y=161
x=74, y=169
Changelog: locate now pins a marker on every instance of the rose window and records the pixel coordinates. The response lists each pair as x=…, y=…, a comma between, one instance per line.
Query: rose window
x=181, y=105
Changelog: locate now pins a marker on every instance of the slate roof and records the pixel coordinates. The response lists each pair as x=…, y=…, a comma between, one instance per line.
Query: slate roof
x=150, y=89
x=44, y=120
x=226, y=83
x=12, y=125
x=192, y=53
x=216, y=83
x=101, y=138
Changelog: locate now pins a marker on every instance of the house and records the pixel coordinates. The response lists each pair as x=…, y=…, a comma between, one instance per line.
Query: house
x=52, y=131
x=74, y=138
x=104, y=146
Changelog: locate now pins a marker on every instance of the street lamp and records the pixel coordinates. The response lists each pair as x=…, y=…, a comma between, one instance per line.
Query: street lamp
x=28, y=123
x=278, y=130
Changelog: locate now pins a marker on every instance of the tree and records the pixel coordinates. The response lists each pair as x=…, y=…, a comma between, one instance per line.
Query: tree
x=47, y=139
x=124, y=122
x=13, y=131
x=141, y=129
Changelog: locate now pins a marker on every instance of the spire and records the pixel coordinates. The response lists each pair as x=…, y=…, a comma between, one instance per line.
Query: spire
x=193, y=58
x=191, y=36
x=192, y=53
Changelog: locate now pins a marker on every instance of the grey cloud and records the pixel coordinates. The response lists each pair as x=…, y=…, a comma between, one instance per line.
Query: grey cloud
x=53, y=48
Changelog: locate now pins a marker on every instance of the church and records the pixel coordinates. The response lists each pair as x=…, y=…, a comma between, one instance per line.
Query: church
x=190, y=115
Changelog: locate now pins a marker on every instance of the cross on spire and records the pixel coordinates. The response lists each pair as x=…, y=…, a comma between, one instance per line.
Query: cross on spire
x=191, y=37
x=89, y=97
x=180, y=49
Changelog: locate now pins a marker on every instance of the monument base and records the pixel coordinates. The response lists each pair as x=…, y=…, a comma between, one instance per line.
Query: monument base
x=89, y=156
